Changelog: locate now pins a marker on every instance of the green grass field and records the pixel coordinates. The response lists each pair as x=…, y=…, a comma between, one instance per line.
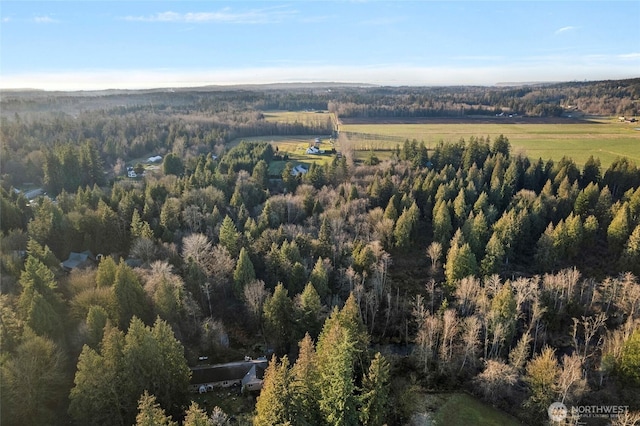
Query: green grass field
x=315, y=118
x=606, y=139
x=461, y=410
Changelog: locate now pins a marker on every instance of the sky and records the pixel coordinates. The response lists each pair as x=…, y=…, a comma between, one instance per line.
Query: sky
x=93, y=45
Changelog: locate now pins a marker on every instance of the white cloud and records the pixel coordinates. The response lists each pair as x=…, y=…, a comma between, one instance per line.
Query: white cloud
x=44, y=19
x=565, y=29
x=226, y=15
x=476, y=58
x=634, y=55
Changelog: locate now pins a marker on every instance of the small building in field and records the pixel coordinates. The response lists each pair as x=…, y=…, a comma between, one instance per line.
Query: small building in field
x=299, y=170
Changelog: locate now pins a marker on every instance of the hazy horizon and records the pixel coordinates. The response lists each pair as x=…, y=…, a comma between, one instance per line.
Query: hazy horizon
x=100, y=45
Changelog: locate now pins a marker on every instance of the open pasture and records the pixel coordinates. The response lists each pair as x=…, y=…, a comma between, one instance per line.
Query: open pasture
x=606, y=139
x=316, y=118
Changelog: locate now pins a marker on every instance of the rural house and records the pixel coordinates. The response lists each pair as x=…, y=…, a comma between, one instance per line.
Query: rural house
x=246, y=374
x=78, y=261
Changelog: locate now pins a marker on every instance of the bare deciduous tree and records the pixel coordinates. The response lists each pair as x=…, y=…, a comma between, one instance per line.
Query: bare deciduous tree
x=571, y=384
x=628, y=418
x=496, y=379
x=449, y=332
x=254, y=295
x=470, y=339
x=434, y=251
x=197, y=248
x=590, y=327
x=467, y=292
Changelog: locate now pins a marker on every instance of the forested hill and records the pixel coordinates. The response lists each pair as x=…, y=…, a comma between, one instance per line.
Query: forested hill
x=610, y=97
x=370, y=284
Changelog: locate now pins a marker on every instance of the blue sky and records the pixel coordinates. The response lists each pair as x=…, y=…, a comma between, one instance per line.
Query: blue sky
x=126, y=44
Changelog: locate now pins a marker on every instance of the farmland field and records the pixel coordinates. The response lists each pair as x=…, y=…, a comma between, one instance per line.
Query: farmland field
x=606, y=139
x=299, y=116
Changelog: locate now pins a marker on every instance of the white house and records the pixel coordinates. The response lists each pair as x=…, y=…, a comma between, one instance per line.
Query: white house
x=313, y=150
x=154, y=159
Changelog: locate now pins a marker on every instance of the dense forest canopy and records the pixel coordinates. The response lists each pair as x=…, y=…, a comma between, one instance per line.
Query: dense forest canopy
x=463, y=267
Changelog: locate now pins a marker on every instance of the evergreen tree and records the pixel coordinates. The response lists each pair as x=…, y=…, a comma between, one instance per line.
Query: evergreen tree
x=494, y=255
x=545, y=255
x=150, y=413
x=442, y=227
x=140, y=228
x=229, y=236
x=195, y=416
x=40, y=305
x=591, y=173
x=170, y=215
x=106, y=273
x=375, y=392
x=243, y=274
x=129, y=299
x=304, y=391
x=501, y=145
x=97, y=397
x=288, y=179
x=153, y=360
x=325, y=239
x=630, y=358
x=97, y=320
x=349, y=319
x=479, y=235
x=541, y=375
x=260, y=174
x=391, y=212
x=43, y=254
x=308, y=309
x=460, y=208
x=406, y=225
x=631, y=255
x=172, y=165
x=504, y=313
x=336, y=385
x=461, y=263
x=618, y=231
x=33, y=381
x=278, y=316
x=273, y=406
x=319, y=278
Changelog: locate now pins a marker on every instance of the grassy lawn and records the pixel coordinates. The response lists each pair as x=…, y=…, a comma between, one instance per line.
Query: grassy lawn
x=462, y=410
x=605, y=138
x=295, y=147
x=230, y=401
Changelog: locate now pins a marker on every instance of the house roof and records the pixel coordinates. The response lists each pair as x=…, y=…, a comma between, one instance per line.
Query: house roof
x=256, y=373
x=225, y=372
x=77, y=260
